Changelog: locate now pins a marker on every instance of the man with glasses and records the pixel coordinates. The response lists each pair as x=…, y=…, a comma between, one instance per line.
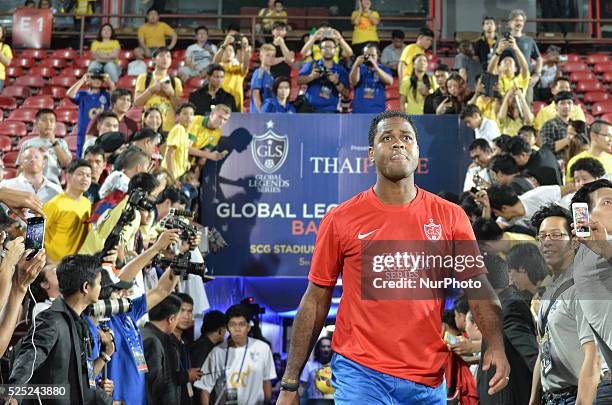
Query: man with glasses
x=241, y=369
x=567, y=364
x=327, y=80
x=599, y=148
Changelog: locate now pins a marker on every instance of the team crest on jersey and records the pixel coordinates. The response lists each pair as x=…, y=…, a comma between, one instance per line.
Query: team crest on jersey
x=432, y=231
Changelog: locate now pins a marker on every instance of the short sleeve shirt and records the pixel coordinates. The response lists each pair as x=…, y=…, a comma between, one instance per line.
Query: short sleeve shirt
x=90, y=105
x=179, y=139
x=370, y=91
x=365, y=31
x=262, y=80
x=5, y=49
x=52, y=169
x=408, y=54
x=201, y=56
x=321, y=94
x=202, y=136
x=154, y=35
x=160, y=100
x=105, y=46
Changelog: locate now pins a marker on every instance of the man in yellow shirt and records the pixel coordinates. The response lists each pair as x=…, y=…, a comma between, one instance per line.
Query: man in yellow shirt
x=205, y=133
x=176, y=160
x=423, y=43
x=159, y=89
x=549, y=112
x=152, y=35
x=67, y=213
x=599, y=148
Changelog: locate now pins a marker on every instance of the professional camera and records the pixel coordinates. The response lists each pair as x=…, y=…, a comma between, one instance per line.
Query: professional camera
x=109, y=307
x=177, y=219
x=138, y=198
x=253, y=309
x=367, y=61
x=181, y=265
x=238, y=42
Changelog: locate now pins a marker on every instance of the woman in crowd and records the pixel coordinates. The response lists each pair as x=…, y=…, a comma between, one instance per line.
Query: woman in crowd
x=365, y=21
x=514, y=112
x=280, y=103
x=579, y=140
x=152, y=119
x=415, y=88
x=454, y=103
x=105, y=52
x=6, y=55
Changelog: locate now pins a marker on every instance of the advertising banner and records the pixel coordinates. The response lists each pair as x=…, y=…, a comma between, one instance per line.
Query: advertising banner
x=32, y=28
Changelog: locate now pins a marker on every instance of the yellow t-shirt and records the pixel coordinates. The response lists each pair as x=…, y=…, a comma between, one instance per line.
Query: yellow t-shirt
x=233, y=83
x=65, y=228
x=6, y=51
x=415, y=101
x=201, y=136
x=159, y=100
x=179, y=138
x=272, y=16
x=154, y=35
x=487, y=107
x=94, y=242
x=408, y=54
x=550, y=111
x=510, y=126
x=605, y=159
x=507, y=82
x=365, y=31
x=83, y=7
x=106, y=46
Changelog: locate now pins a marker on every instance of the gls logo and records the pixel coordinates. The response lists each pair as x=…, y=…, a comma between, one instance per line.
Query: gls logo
x=270, y=150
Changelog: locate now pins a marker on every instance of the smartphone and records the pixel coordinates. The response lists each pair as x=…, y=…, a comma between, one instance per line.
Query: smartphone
x=580, y=212
x=35, y=235
x=450, y=339
x=165, y=80
x=327, y=34
x=562, y=58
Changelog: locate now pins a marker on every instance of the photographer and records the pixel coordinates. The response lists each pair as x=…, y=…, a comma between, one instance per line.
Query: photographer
x=454, y=103
x=504, y=63
x=369, y=78
x=327, y=81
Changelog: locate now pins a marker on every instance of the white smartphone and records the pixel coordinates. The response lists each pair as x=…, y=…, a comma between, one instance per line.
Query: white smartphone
x=580, y=212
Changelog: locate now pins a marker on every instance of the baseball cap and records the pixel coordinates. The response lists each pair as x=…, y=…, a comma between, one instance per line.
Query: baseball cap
x=144, y=134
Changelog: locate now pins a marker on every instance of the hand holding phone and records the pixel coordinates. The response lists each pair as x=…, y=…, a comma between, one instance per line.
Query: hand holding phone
x=580, y=212
x=35, y=235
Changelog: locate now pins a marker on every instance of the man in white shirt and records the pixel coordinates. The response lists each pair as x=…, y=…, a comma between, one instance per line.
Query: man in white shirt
x=240, y=369
x=478, y=174
x=392, y=53
x=483, y=127
x=198, y=56
x=32, y=179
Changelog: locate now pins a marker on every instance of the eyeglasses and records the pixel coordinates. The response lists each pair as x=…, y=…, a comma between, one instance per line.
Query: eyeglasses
x=554, y=235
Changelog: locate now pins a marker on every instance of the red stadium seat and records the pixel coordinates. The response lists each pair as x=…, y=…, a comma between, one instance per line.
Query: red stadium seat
x=60, y=130
x=40, y=101
x=597, y=58
x=10, y=158
x=149, y=63
x=5, y=143
x=602, y=67
x=56, y=63
x=575, y=67
x=43, y=71
x=67, y=116
x=73, y=72
x=64, y=81
x=13, y=128
x=82, y=62
x=603, y=107
x=34, y=54
x=71, y=140
x=126, y=54
x=123, y=63
x=589, y=118
x=179, y=54
x=177, y=63
x=537, y=106
x=606, y=77
x=573, y=57
x=31, y=81
x=127, y=82
x=195, y=82
x=607, y=117
x=23, y=114
x=9, y=173
x=57, y=92
x=583, y=87
x=582, y=76
x=8, y=103
x=14, y=71
x=392, y=93
x=135, y=113
x=67, y=104
x=16, y=91
x=69, y=54
x=26, y=63
x=595, y=96
x=393, y=105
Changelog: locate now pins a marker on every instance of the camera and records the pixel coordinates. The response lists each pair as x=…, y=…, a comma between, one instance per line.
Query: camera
x=367, y=60
x=109, y=307
x=253, y=309
x=238, y=42
x=181, y=265
x=507, y=36
x=177, y=219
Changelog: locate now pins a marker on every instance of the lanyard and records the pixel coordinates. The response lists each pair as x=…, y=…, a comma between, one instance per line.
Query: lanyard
x=246, y=349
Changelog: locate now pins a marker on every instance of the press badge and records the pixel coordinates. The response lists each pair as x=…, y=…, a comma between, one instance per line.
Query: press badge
x=90, y=375
x=545, y=353
x=368, y=93
x=325, y=92
x=141, y=362
x=231, y=396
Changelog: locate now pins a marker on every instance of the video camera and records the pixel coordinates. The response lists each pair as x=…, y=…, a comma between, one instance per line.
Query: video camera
x=109, y=307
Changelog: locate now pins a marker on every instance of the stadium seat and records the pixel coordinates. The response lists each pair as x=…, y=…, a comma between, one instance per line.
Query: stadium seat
x=23, y=114
x=126, y=54
x=177, y=63
x=57, y=92
x=32, y=81
x=60, y=130
x=66, y=115
x=582, y=76
x=195, y=82
x=82, y=62
x=589, y=118
x=245, y=22
x=71, y=140
x=13, y=128
x=602, y=107
x=33, y=54
x=67, y=104
x=537, y=106
x=393, y=105
x=14, y=71
x=573, y=57
x=297, y=24
x=123, y=63
x=317, y=12
x=43, y=71
x=67, y=53
x=10, y=158
x=72, y=71
x=575, y=67
x=5, y=143
x=606, y=77
x=602, y=67
x=64, y=81
x=595, y=96
x=607, y=117
x=8, y=103
x=25, y=63
x=9, y=173
x=178, y=54
x=16, y=91
x=149, y=63
x=40, y=101
x=583, y=87
x=55, y=63
x=127, y=82
x=597, y=58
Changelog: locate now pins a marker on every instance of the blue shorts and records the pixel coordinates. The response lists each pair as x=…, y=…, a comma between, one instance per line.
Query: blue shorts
x=356, y=384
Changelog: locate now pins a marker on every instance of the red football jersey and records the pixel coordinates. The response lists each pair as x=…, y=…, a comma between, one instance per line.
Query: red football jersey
x=398, y=337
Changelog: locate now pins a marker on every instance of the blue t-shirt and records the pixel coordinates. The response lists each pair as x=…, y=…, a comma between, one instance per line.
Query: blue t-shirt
x=321, y=94
x=129, y=383
x=96, y=342
x=370, y=91
x=90, y=104
x=273, y=106
x=263, y=81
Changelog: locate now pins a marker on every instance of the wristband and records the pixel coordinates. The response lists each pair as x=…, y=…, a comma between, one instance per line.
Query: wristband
x=105, y=357
x=289, y=387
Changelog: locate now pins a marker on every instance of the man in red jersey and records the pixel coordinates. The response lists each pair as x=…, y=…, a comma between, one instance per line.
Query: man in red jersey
x=388, y=351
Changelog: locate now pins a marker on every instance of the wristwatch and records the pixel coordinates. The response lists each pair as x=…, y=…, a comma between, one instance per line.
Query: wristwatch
x=289, y=385
x=105, y=357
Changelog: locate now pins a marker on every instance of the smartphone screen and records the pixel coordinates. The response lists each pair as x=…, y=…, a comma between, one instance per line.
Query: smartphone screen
x=581, y=216
x=35, y=234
